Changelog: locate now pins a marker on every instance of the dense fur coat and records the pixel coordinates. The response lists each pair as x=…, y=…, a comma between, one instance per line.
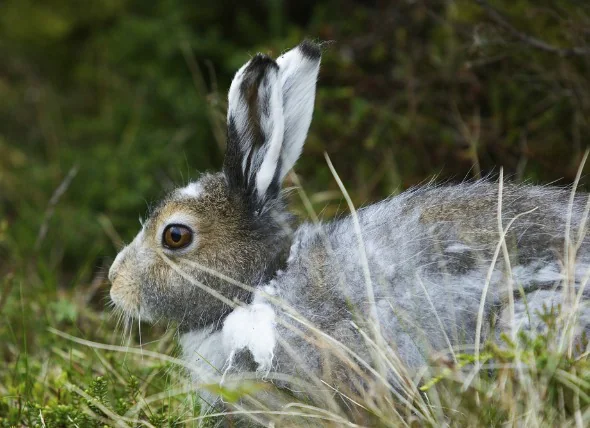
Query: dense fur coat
x=429, y=259
x=222, y=258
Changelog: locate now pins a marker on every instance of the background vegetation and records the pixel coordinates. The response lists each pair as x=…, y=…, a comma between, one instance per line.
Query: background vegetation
x=106, y=105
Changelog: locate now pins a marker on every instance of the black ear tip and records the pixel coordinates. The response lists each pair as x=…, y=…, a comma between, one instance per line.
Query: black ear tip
x=310, y=50
x=262, y=62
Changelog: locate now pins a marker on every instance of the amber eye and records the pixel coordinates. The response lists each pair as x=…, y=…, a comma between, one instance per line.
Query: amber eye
x=177, y=236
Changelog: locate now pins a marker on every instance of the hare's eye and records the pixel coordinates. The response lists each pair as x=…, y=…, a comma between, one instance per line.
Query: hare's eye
x=177, y=236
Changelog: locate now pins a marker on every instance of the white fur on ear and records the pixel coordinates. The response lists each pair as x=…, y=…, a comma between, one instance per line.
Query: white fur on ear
x=272, y=122
x=256, y=122
x=299, y=70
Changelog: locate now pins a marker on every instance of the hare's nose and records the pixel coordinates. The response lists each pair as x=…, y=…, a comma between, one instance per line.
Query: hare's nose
x=116, y=264
x=112, y=273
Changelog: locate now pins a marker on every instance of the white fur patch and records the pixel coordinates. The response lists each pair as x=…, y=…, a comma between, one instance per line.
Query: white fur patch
x=547, y=273
x=298, y=74
x=238, y=110
x=271, y=122
x=203, y=352
x=269, y=289
x=252, y=328
x=457, y=247
x=273, y=126
x=534, y=273
x=192, y=190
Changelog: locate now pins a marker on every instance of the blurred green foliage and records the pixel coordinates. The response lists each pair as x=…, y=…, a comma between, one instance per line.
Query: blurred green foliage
x=106, y=105
x=133, y=94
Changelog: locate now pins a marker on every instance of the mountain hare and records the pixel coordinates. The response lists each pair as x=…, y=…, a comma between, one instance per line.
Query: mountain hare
x=417, y=274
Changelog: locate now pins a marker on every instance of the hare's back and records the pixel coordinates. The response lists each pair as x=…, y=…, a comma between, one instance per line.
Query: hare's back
x=425, y=257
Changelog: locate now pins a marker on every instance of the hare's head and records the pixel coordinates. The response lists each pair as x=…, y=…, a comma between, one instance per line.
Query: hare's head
x=232, y=223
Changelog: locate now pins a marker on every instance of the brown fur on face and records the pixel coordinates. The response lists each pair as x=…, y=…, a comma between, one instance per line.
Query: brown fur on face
x=239, y=223
x=228, y=238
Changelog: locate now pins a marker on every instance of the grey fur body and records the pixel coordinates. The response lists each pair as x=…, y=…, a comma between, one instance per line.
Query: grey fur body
x=429, y=258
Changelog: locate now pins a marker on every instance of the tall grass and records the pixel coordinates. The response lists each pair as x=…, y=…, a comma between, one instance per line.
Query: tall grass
x=523, y=379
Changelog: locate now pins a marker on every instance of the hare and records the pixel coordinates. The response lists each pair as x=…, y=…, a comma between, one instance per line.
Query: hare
x=422, y=272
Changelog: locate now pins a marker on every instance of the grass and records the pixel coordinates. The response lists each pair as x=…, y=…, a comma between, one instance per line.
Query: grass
x=526, y=381
x=70, y=363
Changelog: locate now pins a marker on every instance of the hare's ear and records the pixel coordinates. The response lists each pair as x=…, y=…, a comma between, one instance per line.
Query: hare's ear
x=270, y=105
x=299, y=69
x=255, y=129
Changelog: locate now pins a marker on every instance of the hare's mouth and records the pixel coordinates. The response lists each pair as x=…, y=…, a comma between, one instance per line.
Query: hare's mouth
x=126, y=299
x=131, y=311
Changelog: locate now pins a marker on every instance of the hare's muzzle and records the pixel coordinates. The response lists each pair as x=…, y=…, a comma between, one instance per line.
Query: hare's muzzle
x=113, y=271
x=124, y=292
